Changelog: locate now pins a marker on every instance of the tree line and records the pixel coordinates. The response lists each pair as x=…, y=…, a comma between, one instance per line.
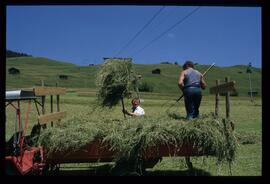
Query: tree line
x=10, y=53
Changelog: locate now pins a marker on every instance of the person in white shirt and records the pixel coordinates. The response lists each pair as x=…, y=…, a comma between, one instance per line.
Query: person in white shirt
x=136, y=109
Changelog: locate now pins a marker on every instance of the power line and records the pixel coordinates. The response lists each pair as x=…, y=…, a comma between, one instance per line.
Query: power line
x=161, y=21
x=139, y=32
x=172, y=27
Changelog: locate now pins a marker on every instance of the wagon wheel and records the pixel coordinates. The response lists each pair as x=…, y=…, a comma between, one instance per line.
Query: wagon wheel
x=51, y=169
x=129, y=167
x=150, y=163
x=189, y=163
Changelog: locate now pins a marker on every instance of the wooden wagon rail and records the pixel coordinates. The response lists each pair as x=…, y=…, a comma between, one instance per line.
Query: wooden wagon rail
x=98, y=151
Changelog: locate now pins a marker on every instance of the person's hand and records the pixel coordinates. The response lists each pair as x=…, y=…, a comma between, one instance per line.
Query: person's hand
x=181, y=86
x=203, y=85
x=125, y=111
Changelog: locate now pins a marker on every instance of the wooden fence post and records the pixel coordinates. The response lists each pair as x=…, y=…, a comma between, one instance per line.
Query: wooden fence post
x=43, y=101
x=51, y=108
x=52, y=116
x=223, y=88
x=227, y=100
x=57, y=101
x=217, y=99
x=58, y=104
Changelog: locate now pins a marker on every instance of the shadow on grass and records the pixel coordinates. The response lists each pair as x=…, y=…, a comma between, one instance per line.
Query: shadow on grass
x=194, y=172
x=106, y=170
x=102, y=170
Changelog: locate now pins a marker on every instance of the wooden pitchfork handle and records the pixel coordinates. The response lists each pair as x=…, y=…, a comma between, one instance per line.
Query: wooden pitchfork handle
x=123, y=106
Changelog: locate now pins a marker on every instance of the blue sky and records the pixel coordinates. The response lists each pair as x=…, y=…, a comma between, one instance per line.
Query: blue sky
x=85, y=34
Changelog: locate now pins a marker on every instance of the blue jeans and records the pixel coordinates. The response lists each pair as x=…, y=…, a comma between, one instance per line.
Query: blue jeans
x=193, y=97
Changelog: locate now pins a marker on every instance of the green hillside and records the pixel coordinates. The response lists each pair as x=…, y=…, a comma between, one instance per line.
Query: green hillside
x=33, y=70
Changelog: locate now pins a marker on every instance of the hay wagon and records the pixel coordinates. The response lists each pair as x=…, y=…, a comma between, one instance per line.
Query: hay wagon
x=98, y=151
x=23, y=157
x=35, y=160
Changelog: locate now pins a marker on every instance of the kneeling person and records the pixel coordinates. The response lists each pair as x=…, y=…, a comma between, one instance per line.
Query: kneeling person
x=136, y=109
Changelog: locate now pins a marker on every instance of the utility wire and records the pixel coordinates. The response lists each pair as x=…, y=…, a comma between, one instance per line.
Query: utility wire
x=172, y=27
x=139, y=32
x=161, y=21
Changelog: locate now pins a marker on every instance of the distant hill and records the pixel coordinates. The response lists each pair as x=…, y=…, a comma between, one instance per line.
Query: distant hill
x=10, y=54
x=35, y=69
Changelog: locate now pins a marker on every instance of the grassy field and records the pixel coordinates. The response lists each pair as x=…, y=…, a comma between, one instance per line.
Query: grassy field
x=245, y=114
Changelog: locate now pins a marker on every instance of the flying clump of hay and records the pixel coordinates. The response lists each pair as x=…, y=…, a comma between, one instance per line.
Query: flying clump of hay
x=114, y=81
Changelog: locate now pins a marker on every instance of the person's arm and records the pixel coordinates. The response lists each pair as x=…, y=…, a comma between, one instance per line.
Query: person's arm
x=134, y=113
x=203, y=83
x=181, y=80
x=130, y=113
x=126, y=112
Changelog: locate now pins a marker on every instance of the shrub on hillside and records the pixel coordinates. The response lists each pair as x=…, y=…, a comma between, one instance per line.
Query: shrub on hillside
x=156, y=71
x=63, y=77
x=13, y=71
x=145, y=87
x=165, y=62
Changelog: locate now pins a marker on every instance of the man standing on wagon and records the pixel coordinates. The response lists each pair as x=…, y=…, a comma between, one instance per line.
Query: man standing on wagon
x=191, y=82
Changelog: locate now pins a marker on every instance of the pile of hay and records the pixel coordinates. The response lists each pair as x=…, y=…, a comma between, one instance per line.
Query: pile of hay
x=114, y=81
x=131, y=137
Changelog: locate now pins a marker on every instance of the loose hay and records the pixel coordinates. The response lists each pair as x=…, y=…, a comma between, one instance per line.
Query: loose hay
x=130, y=138
x=114, y=81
